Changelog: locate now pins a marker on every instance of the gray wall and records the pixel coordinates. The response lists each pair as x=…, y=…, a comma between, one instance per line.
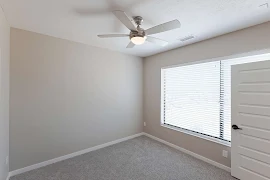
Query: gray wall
x=251, y=39
x=4, y=94
x=67, y=97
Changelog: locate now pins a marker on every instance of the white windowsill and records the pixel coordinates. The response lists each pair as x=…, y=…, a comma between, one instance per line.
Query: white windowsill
x=198, y=135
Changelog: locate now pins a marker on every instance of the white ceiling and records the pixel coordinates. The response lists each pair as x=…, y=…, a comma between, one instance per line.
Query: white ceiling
x=203, y=19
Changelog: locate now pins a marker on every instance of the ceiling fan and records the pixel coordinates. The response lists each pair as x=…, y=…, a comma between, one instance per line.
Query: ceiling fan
x=137, y=34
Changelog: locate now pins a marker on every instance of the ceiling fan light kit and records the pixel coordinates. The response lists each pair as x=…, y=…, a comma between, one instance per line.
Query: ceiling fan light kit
x=138, y=40
x=138, y=35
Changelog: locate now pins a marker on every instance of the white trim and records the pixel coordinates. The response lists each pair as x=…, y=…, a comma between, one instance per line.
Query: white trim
x=264, y=52
x=208, y=138
x=221, y=166
x=52, y=161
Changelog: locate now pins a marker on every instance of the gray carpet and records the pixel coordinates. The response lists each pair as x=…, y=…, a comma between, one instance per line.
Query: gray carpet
x=137, y=159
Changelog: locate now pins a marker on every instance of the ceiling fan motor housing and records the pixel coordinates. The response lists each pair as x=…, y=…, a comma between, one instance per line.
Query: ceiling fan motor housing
x=139, y=33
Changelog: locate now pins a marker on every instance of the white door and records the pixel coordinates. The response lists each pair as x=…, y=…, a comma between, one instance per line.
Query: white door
x=251, y=113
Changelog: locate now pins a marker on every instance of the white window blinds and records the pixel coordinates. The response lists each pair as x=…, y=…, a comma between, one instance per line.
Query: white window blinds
x=197, y=97
x=192, y=98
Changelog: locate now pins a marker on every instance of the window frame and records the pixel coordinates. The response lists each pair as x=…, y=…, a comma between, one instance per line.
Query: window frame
x=256, y=54
x=182, y=130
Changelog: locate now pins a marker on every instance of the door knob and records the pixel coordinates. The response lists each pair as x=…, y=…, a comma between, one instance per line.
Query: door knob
x=235, y=127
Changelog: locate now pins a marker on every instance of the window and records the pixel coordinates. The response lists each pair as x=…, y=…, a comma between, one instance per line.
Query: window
x=197, y=98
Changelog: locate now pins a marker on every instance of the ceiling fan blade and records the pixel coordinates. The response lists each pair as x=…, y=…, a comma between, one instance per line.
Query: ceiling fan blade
x=122, y=16
x=112, y=35
x=157, y=41
x=130, y=45
x=164, y=27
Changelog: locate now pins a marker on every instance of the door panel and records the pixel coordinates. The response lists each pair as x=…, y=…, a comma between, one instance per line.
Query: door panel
x=246, y=151
x=256, y=132
x=251, y=175
x=254, y=75
x=254, y=98
x=259, y=87
x=255, y=166
x=255, y=143
x=251, y=112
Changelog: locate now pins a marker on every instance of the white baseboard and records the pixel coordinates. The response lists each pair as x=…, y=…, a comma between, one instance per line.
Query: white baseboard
x=52, y=161
x=221, y=166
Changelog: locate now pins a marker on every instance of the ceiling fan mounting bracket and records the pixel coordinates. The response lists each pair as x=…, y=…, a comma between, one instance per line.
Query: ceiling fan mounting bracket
x=138, y=20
